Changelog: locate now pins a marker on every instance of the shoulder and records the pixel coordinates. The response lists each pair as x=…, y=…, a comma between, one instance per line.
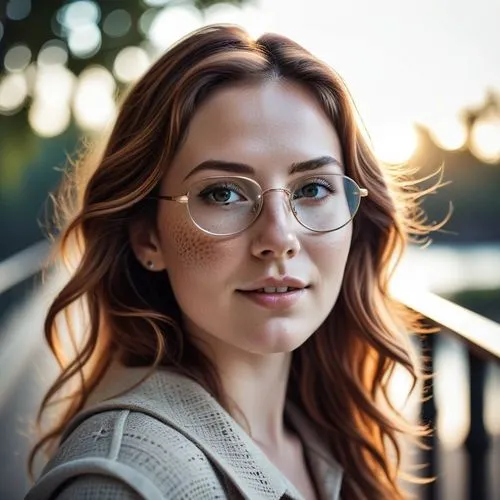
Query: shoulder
x=94, y=486
x=135, y=450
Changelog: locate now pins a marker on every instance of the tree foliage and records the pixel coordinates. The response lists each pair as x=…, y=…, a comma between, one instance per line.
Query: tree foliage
x=36, y=23
x=41, y=24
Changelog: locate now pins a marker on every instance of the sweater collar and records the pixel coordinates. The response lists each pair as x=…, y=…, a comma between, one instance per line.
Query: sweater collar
x=186, y=406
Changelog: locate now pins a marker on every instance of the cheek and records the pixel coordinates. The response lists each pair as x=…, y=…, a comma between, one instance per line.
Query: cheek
x=189, y=247
x=331, y=253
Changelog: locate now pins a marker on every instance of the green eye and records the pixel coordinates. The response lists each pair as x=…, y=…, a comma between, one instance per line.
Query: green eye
x=316, y=190
x=222, y=194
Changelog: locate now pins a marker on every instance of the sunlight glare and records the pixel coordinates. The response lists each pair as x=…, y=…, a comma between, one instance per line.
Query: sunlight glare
x=485, y=138
x=393, y=142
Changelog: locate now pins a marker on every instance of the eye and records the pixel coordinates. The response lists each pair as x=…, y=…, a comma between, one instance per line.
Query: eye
x=314, y=189
x=222, y=194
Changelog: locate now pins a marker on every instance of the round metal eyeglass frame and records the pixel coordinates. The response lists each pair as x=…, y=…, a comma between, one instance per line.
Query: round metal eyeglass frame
x=184, y=199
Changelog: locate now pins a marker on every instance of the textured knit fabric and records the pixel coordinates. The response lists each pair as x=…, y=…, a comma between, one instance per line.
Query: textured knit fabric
x=85, y=488
x=168, y=438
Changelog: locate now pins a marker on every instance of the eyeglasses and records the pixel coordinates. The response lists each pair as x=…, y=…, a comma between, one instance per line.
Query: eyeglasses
x=224, y=206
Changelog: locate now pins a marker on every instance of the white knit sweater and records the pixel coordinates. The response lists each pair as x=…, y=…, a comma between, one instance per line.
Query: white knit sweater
x=170, y=439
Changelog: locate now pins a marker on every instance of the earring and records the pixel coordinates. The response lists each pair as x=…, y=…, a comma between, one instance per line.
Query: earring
x=150, y=264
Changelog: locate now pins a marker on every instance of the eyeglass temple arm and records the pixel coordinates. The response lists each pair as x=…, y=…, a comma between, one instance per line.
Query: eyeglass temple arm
x=363, y=192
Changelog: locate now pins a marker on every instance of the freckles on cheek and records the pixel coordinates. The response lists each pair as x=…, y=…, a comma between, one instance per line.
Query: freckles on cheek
x=192, y=247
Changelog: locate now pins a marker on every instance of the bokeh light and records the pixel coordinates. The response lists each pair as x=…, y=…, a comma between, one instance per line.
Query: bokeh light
x=156, y=3
x=30, y=74
x=130, y=64
x=49, y=119
x=18, y=9
x=54, y=84
x=93, y=105
x=53, y=52
x=99, y=76
x=448, y=133
x=79, y=14
x=13, y=93
x=146, y=21
x=85, y=41
x=17, y=58
x=117, y=23
x=50, y=113
x=485, y=138
x=171, y=24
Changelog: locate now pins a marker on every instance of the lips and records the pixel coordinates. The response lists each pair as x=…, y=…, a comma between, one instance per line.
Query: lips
x=274, y=285
x=273, y=289
x=271, y=298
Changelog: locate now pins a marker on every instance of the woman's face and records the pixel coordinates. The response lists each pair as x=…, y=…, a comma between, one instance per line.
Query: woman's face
x=268, y=127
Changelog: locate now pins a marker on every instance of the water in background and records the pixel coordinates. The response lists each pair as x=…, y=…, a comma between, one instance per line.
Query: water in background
x=449, y=269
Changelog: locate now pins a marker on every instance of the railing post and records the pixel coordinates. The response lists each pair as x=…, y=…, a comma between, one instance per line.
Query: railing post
x=478, y=441
x=428, y=417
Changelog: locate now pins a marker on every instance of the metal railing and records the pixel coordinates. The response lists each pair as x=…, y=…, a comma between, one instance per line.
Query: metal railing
x=481, y=337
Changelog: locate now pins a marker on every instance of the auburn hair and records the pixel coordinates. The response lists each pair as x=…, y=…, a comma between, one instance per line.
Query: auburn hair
x=340, y=375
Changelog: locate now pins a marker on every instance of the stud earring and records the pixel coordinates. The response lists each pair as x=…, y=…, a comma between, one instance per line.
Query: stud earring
x=150, y=264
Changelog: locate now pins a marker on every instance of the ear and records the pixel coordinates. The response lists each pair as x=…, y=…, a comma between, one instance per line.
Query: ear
x=145, y=244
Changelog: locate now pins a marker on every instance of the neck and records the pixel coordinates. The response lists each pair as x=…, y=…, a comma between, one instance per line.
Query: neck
x=256, y=389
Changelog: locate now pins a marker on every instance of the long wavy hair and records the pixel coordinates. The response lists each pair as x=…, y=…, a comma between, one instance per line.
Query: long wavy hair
x=340, y=375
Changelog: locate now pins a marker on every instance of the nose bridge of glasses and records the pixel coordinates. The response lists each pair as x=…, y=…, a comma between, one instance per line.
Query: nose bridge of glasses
x=283, y=190
x=280, y=202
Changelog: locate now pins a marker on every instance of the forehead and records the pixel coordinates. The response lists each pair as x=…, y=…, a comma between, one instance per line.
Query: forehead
x=268, y=126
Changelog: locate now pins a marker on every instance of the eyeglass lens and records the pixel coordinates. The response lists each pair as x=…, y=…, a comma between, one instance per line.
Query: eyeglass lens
x=228, y=205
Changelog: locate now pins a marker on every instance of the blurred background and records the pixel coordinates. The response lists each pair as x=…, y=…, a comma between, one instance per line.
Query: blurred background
x=425, y=75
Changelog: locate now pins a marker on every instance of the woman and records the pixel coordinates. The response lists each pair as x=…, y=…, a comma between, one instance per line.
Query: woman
x=236, y=239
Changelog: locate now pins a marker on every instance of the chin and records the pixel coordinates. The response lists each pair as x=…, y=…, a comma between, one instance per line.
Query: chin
x=275, y=341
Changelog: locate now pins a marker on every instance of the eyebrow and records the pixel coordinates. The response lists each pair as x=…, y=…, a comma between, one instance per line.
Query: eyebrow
x=243, y=168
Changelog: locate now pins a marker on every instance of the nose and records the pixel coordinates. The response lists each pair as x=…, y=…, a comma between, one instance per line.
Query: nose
x=275, y=234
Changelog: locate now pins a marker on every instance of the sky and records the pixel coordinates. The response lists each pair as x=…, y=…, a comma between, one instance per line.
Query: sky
x=404, y=61
x=427, y=56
